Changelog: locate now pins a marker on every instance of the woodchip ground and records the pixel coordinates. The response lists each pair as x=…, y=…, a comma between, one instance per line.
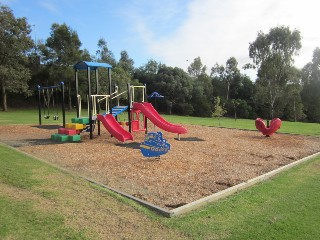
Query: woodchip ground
x=206, y=160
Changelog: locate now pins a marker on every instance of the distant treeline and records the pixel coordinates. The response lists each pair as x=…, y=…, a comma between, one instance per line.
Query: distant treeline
x=280, y=89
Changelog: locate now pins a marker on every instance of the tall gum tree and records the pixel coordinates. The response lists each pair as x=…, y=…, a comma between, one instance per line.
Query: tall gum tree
x=61, y=51
x=15, y=43
x=273, y=55
x=311, y=87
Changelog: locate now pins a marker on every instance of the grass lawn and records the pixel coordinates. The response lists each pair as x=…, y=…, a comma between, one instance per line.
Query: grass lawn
x=248, y=124
x=38, y=201
x=15, y=116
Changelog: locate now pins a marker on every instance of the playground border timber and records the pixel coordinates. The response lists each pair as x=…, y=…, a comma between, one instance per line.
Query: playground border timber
x=190, y=206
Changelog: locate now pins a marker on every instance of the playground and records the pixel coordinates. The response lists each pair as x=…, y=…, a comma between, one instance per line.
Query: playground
x=195, y=161
x=206, y=160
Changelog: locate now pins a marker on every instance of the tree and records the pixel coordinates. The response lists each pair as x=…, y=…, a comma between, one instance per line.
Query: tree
x=202, y=96
x=235, y=104
x=229, y=74
x=61, y=51
x=232, y=72
x=176, y=86
x=272, y=54
x=196, y=68
x=311, y=87
x=104, y=54
x=15, y=42
x=293, y=107
x=147, y=73
x=126, y=63
x=121, y=78
x=219, y=110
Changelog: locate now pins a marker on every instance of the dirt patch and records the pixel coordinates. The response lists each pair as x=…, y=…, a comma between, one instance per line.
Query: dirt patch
x=206, y=160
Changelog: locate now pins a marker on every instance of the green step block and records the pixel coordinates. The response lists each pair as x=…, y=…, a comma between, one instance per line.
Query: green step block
x=74, y=138
x=55, y=136
x=80, y=120
x=63, y=138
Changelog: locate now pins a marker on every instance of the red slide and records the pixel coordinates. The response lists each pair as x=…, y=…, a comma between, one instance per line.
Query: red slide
x=148, y=110
x=111, y=124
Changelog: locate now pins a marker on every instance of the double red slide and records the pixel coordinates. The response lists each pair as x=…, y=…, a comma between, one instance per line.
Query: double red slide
x=111, y=124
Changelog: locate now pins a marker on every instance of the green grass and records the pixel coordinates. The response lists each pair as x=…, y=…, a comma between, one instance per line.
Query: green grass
x=286, y=207
x=248, y=124
x=20, y=217
x=15, y=116
x=19, y=220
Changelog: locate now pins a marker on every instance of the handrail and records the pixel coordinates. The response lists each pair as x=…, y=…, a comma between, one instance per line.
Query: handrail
x=118, y=95
x=100, y=100
x=79, y=104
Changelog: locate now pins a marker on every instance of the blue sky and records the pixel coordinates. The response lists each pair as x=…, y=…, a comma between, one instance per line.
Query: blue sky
x=174, y=31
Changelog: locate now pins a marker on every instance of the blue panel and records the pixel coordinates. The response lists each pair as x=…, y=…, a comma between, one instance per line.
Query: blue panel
x=83, y=65
x=118, y=109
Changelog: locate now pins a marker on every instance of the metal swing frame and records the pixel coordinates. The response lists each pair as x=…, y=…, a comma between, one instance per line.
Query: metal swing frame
x=48, y=88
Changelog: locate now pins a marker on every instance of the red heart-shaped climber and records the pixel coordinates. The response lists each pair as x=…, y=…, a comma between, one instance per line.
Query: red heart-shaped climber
x=275, y=124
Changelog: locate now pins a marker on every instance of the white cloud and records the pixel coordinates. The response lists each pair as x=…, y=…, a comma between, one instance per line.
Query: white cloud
x=216, y=30
x=50, y=6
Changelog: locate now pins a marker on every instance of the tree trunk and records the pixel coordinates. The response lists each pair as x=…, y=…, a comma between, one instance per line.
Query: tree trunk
x=294, y=110
x=228, y=89
x=169, y=107
x=4, y=98
x=69, y=96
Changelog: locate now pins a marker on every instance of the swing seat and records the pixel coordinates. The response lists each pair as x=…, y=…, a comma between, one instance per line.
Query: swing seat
x=46, y=116
x=55, y=117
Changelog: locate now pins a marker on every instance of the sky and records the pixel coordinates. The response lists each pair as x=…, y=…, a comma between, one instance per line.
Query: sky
x=175, y=32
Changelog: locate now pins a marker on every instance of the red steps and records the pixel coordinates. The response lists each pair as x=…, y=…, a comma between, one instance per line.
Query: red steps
x=68, y=131
x=67, y=135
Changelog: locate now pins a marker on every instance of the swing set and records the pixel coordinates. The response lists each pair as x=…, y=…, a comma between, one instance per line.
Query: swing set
x=48, y=102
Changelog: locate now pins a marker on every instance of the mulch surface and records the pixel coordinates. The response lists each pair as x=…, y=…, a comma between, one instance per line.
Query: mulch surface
x=206, y=160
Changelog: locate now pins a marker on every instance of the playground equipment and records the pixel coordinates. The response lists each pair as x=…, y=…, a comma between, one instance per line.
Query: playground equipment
x=154, y=145
x=92, y=98
x=137, y=120
x=48, y=99
x=275, y=124
x=138, y=110
x=148, y=110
